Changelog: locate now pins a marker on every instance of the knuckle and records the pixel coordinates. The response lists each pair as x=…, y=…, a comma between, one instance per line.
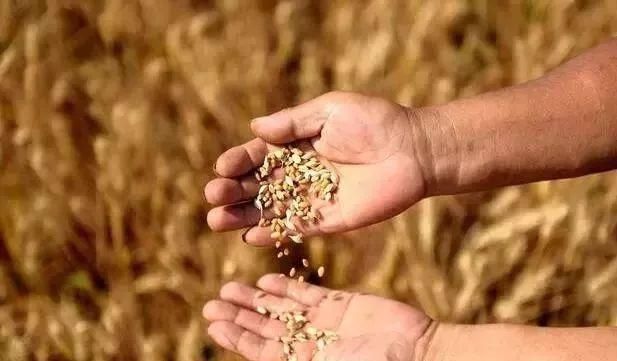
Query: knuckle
x=262, y=323
x=238, y=316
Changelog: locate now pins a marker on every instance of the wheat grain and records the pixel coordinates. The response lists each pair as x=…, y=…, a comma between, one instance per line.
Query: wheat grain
x=288, y=196
x=299, y=330
x=291, y=204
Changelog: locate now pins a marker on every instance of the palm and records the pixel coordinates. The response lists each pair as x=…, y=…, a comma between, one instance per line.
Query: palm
x=374, y=328
x=369, y=327
x=367, y=140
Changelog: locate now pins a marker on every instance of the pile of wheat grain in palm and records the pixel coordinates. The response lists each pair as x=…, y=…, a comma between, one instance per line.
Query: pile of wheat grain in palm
x=290, y=200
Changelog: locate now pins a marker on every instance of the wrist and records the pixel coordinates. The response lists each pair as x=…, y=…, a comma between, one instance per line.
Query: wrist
x=439, y=342
x=425, y=342
x=435, y=147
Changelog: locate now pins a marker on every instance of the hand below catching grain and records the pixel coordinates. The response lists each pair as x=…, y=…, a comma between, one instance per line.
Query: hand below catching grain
x=367, y=141
x=369, y=327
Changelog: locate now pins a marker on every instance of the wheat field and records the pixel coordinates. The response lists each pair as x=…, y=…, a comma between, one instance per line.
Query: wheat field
x=113, y=111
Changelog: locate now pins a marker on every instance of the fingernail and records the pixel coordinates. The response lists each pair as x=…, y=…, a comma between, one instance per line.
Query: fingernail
x=256, y=120
x=244, y=235
x=214, y=170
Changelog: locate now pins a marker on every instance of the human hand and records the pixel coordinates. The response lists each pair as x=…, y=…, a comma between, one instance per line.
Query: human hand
x=367, y=141
x=369, y=327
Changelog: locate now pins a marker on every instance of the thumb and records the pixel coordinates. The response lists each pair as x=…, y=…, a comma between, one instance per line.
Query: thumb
x=291, y=124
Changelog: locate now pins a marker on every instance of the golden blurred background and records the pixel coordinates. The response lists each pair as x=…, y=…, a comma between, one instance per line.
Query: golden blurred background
x=113, y=111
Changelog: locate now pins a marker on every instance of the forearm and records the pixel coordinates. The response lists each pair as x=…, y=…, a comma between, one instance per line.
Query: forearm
x=518, y=343
x=561, y=125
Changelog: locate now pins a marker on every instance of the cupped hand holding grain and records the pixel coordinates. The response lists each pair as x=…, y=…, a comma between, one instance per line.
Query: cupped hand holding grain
x=372, y=328
x=368, y=327
x=368, y=142
x=388, y=157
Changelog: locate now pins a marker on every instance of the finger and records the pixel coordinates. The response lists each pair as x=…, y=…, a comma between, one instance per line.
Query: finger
x=261, y=325
x=222, y=191
x=251, y=298
x=291, y=124
x=260, y=236
x=302, y=292
x=241, y=159
x=231, y=217
x=237, y=216
x=326, y=308
x=244, y=342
